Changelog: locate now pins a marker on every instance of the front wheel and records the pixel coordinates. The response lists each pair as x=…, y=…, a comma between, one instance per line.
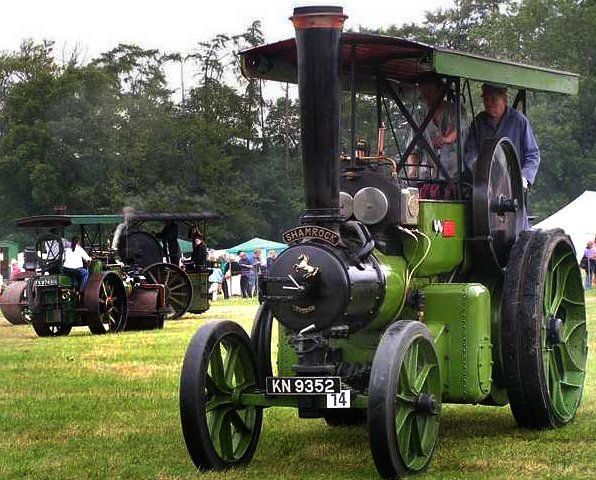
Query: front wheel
x=219, y=365
x=405, y=400
x=42, y=329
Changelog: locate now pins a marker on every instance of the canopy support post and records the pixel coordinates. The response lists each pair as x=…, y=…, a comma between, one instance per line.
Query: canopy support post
x=521, y=97
x=460, y=154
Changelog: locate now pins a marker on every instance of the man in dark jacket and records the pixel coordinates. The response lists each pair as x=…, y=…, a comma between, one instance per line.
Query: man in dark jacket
x=247, y=275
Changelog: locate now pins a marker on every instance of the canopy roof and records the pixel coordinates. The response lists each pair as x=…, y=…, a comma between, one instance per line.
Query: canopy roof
x=68, y=220
x=577, y=219
x=257, y=244
x=404, y=61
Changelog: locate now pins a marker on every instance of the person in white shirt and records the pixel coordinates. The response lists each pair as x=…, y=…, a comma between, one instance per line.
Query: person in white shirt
x=74, y=261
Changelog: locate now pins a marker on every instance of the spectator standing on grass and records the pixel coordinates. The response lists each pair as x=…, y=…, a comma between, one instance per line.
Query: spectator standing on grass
x=270, y=259
x=215, y=281
x=588, y=263
x=226, y=272
x=247, y=275
x=258, y=263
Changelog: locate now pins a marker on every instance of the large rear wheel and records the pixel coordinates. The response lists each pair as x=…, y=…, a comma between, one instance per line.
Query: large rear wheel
x=404, y=400
x=544, y=335
x=219, y=365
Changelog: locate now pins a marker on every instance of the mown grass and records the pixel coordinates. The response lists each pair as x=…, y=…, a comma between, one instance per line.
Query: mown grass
x=107, y=407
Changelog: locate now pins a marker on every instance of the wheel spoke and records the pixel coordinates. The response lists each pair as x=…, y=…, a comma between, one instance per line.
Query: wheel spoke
x=556, y=392
x=421, y=378
x=562, y=286
x=239, y=423
x=178, y=286
x=566, y=358
x=212, y=387
x=404, y=400
x=218, y=403
x=418, y=432
x=404, y=435
x=412, y=367
x=561, y=260
x=401, y=416
x=217, y=368
x=548, y=292
x=221, y=434
x=230, y=366
x=174, y=301
x=573, y=330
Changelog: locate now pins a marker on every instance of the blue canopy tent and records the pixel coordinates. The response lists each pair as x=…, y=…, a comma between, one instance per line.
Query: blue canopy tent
x=185, y=246
x=258, y=244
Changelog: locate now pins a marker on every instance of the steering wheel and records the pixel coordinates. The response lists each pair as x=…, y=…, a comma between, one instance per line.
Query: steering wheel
x=49, y=251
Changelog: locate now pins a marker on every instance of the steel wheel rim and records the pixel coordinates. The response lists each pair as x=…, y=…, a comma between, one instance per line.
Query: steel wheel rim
x=231, y=425
x=417, y=432
x=564, y=354
x=109, y=304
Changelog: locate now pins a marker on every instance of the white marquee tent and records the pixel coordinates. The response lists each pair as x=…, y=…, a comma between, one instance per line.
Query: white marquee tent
x=578, y=219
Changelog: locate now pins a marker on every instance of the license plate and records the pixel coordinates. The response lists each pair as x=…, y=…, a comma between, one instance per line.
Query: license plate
x=46, y=281
x=303, y=385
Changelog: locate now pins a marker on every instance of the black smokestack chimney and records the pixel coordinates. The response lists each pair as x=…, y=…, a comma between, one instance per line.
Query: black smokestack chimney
x=318, y=45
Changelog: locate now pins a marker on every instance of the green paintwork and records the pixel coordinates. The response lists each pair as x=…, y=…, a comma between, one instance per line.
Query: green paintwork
x=419, y=374
x=64, y=281
x=458, y=316
x=474, y=67
x=277, y=62
x=394, y=268
x=498, y=392
x=286, y=355
x=200, y=292
x=231, y=425
x=445, y=252
x=564, y=363
x=360, y=347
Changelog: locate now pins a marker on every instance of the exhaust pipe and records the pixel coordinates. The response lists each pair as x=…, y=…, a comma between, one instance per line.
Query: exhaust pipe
x=318, y=44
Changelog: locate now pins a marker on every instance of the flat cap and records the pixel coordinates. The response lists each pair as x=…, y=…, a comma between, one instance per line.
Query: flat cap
x=490, y=88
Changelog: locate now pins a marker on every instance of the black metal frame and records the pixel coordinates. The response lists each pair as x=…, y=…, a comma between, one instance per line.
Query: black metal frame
x=452, y=85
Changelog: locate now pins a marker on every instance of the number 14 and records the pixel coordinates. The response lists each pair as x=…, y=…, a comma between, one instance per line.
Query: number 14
x=339, y=400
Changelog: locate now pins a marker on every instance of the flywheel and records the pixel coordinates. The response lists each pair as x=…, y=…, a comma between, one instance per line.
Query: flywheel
x=497, y=204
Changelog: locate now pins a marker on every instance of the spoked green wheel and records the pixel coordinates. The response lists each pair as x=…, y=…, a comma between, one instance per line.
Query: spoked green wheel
x=544, y=331
x=219, y=366
x=404, y=400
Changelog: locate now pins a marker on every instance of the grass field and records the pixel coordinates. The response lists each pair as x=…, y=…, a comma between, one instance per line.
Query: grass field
x=107, y=407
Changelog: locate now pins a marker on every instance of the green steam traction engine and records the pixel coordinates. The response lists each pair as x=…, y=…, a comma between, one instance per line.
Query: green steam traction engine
x=390, y=305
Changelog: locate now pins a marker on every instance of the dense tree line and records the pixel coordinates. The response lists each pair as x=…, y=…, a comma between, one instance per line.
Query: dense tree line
x=107, y=133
